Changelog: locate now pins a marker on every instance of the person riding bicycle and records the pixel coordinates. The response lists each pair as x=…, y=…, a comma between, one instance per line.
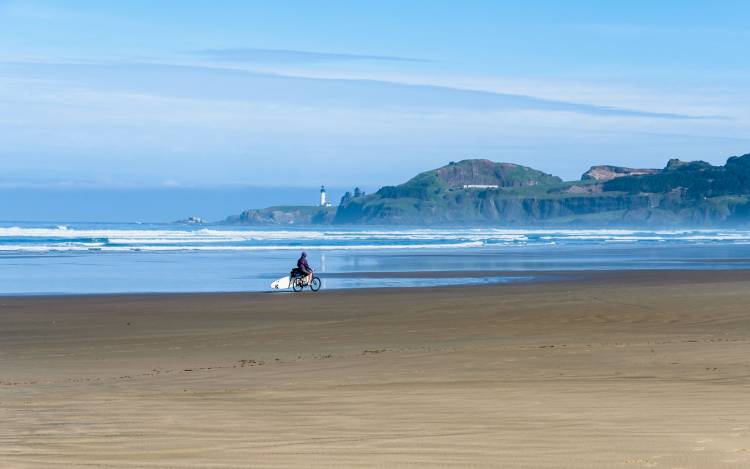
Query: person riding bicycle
x=304, y=268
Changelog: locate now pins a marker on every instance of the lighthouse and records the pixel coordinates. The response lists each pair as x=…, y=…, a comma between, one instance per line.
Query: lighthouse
x=323, y=201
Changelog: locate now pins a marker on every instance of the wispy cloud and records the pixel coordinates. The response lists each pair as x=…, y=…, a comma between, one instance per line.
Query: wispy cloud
x=222, y=84
x=287, y=56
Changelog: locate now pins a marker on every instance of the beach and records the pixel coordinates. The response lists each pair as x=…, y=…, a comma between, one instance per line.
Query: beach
x=587, y=370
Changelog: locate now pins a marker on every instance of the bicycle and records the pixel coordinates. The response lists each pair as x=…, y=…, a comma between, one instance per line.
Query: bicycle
x=299, y=283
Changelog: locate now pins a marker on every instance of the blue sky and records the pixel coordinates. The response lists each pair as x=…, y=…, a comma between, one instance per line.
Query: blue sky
x=143, y=94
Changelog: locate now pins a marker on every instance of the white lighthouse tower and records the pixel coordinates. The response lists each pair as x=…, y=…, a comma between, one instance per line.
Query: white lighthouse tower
x=323, y=200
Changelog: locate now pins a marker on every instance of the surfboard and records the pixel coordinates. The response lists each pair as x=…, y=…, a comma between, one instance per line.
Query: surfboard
x=281, y=284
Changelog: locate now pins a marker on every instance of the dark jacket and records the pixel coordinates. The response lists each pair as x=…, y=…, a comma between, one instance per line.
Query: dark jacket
x=303, y=266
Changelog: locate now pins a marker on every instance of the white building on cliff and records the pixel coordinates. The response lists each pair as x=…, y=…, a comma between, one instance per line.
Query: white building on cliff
x=323, y=197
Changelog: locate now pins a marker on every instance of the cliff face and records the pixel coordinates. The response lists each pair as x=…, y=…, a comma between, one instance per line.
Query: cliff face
x=487, y=208
x=607, y=172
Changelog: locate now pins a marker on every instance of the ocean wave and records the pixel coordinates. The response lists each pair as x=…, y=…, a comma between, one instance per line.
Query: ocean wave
x=97, y=238
x=426, y=233
x=299, y=247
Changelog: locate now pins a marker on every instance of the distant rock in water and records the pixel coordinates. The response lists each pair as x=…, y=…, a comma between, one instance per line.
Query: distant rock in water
x=607, y=172
x=192, y=221
x=285, y=215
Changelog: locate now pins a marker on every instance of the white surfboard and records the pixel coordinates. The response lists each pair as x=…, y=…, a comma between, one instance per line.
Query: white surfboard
x=281, y=284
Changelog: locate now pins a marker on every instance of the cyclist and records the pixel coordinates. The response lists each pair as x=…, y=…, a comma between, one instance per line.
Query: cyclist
x=304, y=268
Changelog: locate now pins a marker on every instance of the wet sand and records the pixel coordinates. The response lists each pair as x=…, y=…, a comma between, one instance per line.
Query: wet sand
x=594, y=370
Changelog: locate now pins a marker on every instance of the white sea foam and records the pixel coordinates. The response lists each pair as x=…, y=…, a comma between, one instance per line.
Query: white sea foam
x=322, y=247
x=70, y=238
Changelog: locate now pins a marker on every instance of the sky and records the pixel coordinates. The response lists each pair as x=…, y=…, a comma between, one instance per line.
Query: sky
x=226, y=94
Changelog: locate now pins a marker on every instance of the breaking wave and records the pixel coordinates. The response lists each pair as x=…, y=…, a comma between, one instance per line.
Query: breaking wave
x=74, y=238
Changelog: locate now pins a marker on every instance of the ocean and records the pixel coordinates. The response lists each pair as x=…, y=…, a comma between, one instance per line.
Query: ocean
x=90, y=258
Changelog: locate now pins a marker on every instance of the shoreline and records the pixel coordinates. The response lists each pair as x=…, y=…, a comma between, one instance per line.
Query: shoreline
x=526, y=277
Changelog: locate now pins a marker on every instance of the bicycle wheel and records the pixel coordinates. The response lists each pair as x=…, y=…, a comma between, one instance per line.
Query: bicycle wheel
x=297, y=284
x=315, y=284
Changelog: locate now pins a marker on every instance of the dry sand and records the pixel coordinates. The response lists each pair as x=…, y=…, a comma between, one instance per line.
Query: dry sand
x=640, y=369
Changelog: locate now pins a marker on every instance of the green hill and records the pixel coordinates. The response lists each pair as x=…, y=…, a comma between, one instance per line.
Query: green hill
x=455, y=176
x=684, y=193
